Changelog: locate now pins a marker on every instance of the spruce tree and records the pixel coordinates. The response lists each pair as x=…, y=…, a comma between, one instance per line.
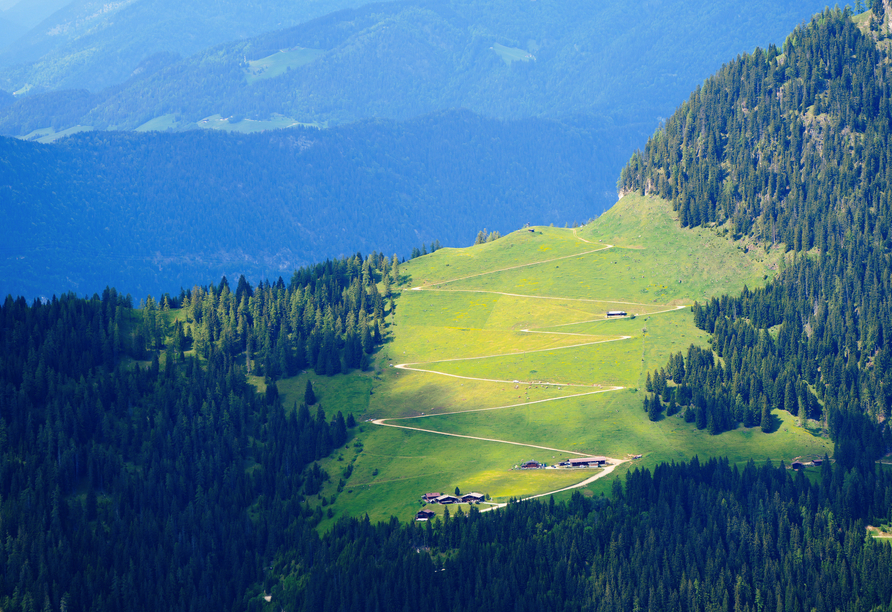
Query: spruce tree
x=309, y=394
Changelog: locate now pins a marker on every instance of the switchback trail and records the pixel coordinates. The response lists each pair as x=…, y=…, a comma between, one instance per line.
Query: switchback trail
x=526, y=265
x=436, y=286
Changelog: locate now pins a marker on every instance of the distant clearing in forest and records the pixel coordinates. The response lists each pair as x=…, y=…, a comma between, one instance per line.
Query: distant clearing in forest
x=512, y=54
x=48, y=135
x=279, y=63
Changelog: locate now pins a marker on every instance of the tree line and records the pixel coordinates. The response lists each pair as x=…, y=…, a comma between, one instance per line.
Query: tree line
x=330, y=317
x=692, y=537
x=133, y=477
x=789, y=147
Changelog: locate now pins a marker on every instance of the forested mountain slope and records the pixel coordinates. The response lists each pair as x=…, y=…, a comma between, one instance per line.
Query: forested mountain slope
x=407, y=58
x=94, y=44
x=150, y=213
x=138, y=467
x=791, y=146
x=690, y=537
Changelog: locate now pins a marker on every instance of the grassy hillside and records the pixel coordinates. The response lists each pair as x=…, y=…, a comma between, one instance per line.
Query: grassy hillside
x=518, y=349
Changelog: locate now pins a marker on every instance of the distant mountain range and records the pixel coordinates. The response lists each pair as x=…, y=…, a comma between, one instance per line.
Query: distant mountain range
x=148, y=213
x=396, y=60
x=95, y=44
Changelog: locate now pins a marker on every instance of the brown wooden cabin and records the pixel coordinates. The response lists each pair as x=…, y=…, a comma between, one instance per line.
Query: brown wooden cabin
x=587, y=461
x=425, y=515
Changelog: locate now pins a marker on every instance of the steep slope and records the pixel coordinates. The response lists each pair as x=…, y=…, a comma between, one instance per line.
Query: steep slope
x=148, y=213
x=790, y=147
x=92, y=44
x=402, y=59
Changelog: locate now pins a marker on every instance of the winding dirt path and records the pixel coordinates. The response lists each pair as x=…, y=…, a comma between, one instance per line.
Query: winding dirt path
x=455, y=435
x=410, y=367
x=605, y=472
x=526, y=265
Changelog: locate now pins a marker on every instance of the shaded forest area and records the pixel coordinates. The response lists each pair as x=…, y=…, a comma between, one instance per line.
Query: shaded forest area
x=391, y=60
x=686, y=537
x=147, y=212
x=791, y=147
x=330, y=318
x=134, y=476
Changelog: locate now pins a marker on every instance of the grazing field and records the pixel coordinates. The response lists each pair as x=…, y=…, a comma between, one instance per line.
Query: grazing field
x=512, y=54
x=503, y=352
x=48, y=135
x=279, y=63
x=171, y=123
x=249, y=126
x=162, y=124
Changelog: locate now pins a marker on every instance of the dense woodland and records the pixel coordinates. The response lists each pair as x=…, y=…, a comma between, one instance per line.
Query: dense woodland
x=790, y=147
x=123, y=475
x=689, y=538
x=160, y=211
x=330, y=317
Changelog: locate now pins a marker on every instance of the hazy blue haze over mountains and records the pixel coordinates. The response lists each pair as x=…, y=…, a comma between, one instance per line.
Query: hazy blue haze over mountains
x=151, y=213
x=94, y=44
x=602, y=73
x=400, y=59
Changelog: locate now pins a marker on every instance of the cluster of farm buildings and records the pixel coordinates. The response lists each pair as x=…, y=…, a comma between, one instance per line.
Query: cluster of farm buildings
x=476, y=498
x=439, y=498
x=576, y=462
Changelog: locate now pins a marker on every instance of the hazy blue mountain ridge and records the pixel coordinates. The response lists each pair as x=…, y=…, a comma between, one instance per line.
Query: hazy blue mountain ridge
x=502, y=59
x=95, y=44
x=151, y=212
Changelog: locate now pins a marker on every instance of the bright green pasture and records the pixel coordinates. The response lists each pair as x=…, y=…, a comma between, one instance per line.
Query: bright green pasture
x=607, y=363
x=518, y=248
x=614, y=424
x=642, y=276
x=471, y=309
x=616, y=362
x=410, y=394
x=410, y=464
x=535, y=313
x=653, y=261
x=348, y=393
x=458, y=325
x=512, y=54
x=249, y=126
x=656, y=248
x=442, y=309
x=436, y=343
x=279, y=63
